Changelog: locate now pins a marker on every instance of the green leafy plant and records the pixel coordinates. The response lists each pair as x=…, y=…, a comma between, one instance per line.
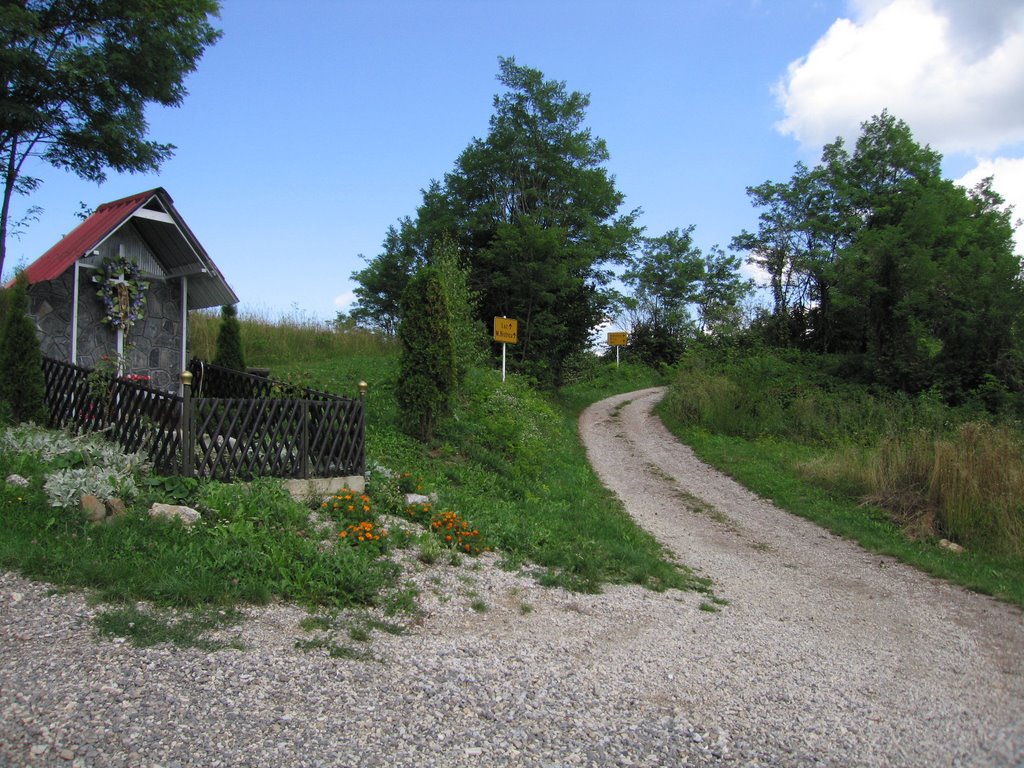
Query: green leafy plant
x=457, y=533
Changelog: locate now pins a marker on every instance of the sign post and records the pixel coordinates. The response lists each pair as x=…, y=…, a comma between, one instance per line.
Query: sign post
x=506, y=331
x=617, y=339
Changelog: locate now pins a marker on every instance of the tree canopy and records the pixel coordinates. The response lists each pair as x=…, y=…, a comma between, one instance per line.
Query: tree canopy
x=535, y=216
x=78, y=77
x=678, y=294
x=874, y=255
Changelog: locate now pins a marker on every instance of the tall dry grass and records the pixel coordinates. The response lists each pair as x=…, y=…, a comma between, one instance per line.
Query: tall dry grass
x=967, y=485
x=269, y=339
x=977, y=486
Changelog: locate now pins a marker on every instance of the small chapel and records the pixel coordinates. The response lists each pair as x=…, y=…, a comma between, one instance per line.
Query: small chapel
x=119, y=288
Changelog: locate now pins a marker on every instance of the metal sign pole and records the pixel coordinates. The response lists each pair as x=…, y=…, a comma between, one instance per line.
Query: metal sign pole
x=503, y=361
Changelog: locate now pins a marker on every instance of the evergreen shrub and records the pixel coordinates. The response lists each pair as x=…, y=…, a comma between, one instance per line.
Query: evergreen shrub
x=22, y=385
x=427, y=369
x=229, y=340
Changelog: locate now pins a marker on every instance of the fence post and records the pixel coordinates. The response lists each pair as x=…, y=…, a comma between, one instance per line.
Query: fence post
x=304, y=447
x=187, y=449
x=361, y=437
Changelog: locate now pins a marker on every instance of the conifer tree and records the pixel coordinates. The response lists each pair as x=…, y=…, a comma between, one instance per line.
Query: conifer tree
x=229, y=340
x=427, y=371
x=22, y=385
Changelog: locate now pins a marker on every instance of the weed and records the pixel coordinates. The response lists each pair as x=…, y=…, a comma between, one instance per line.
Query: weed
x=185, y=629
x=430, y=549
x=359, y=633
x=402, y=600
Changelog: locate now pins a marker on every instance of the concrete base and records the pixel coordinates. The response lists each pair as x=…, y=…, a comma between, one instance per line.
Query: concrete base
x=318, y=487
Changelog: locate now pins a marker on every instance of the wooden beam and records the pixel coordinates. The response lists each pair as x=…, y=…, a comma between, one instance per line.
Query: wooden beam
x=145, y=213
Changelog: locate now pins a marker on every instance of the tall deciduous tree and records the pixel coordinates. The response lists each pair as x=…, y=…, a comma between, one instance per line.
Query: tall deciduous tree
x=382, y=282
x=721, y=293
x=678, y=292
x=78, y=77
x=664, y=279
x=911, y=275
x=539, y=213
x=536, y=218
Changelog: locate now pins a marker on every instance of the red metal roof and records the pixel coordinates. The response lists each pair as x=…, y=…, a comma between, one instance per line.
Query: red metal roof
x=87, y=235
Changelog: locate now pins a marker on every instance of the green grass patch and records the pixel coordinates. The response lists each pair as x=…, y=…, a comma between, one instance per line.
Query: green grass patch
x=252, y=544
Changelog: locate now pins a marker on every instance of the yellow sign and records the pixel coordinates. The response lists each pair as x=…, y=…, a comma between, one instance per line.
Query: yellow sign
x=618, y=338
x=506, y=330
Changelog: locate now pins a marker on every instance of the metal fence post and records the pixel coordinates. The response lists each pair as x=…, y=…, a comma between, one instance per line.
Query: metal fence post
x=361, y=434
x=187, y=440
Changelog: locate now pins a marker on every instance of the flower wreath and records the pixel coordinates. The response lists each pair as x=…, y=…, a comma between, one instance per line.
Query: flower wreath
x=122, y=291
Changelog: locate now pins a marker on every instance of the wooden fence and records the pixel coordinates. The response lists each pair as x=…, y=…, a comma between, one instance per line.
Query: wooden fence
x=253, y=427
x=138, y=418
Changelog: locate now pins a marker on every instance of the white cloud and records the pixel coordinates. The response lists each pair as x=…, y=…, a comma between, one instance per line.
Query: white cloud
x=952, y=69
x=344, y=300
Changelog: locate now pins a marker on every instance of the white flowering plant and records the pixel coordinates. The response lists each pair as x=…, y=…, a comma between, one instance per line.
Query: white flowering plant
x=80, y=464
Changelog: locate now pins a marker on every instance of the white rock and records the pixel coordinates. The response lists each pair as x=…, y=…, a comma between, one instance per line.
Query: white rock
x=17, y=480
x=420, y=498
x=187, y=515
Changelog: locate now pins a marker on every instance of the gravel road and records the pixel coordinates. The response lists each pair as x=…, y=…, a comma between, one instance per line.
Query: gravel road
x=824, y=656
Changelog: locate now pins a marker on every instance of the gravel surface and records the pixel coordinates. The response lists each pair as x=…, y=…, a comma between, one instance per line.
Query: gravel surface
x=825, y=655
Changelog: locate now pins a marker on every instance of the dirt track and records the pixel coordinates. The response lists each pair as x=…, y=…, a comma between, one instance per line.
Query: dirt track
x=822, y=643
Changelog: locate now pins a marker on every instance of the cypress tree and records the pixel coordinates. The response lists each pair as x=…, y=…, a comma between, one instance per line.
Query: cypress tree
x=229, y=340
x=427, y=369
x=22, y=384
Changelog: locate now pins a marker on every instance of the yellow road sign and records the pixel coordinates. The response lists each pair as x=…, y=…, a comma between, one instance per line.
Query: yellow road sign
x=506, y=330
x=618, y=338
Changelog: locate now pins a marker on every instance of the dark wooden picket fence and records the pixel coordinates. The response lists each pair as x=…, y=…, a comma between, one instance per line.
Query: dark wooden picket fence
x=138, y=418
x=228, y=426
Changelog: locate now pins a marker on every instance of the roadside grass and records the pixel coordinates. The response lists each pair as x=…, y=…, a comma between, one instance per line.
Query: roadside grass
x=776, y=470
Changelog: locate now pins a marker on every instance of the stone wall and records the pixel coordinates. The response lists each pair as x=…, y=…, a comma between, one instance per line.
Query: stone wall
x=154, y=343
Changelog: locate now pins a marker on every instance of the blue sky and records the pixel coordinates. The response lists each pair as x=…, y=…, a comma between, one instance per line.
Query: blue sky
x=314, y=124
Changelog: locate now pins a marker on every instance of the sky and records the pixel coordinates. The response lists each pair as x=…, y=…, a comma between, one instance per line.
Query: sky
x=313, y=125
